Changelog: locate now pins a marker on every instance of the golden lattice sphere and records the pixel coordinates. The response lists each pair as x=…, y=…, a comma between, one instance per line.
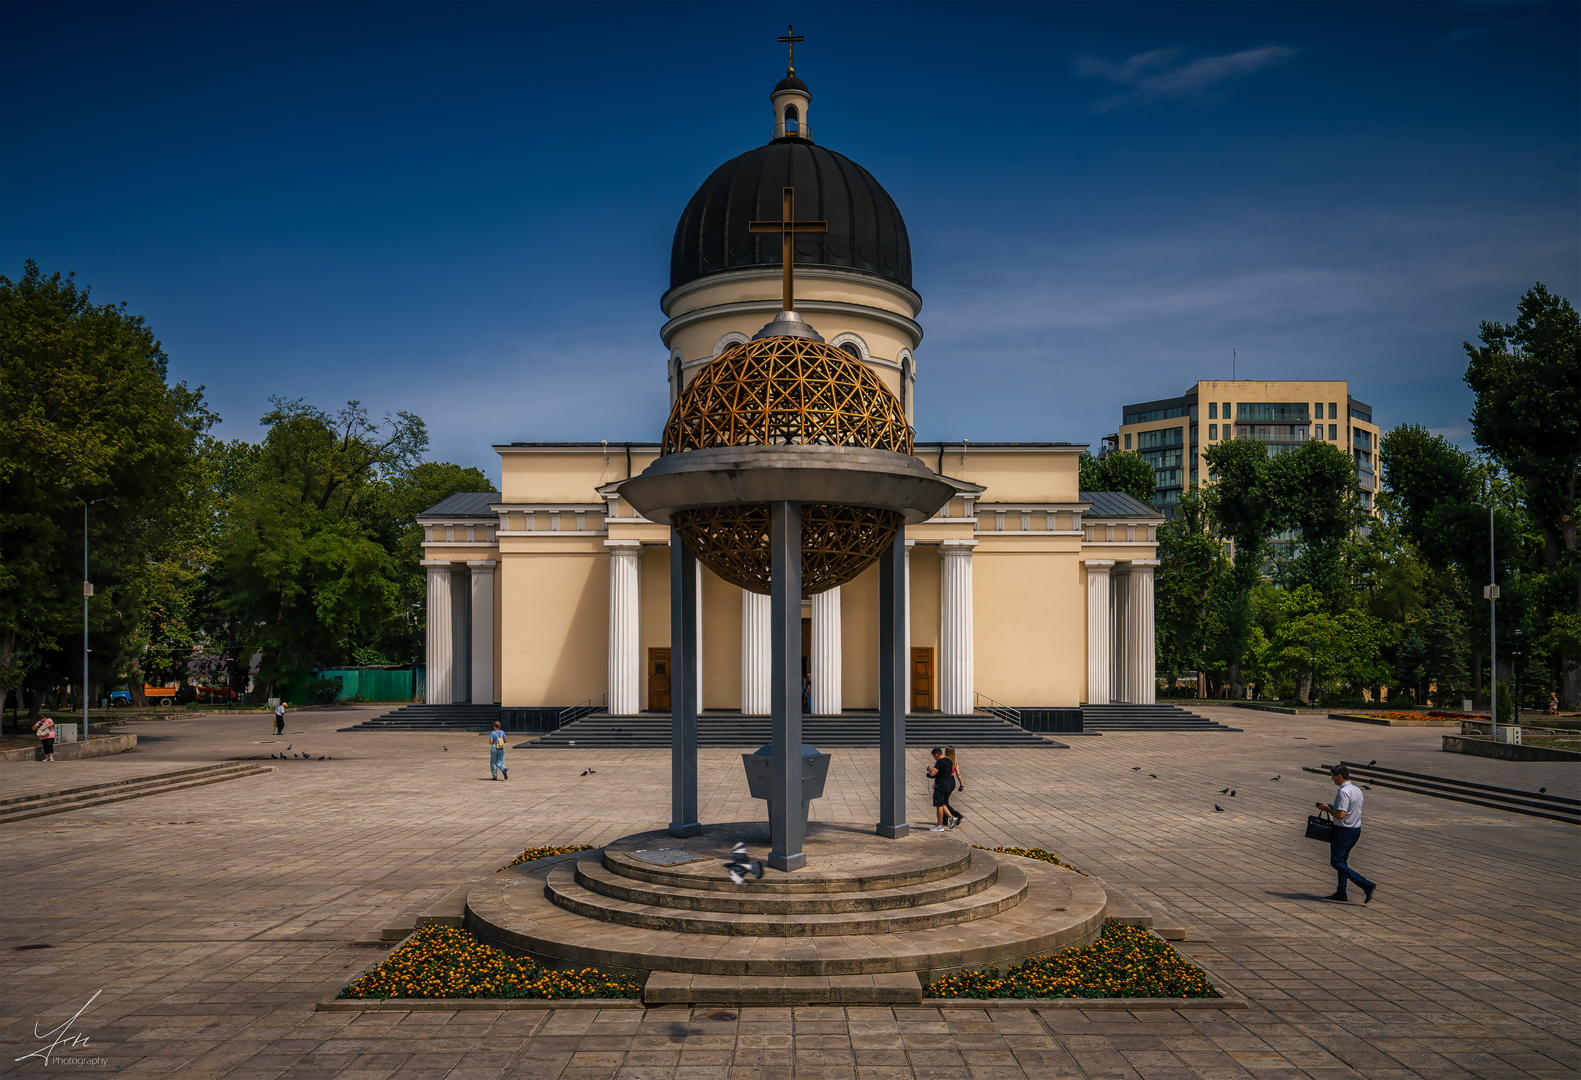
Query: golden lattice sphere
x=779, y=391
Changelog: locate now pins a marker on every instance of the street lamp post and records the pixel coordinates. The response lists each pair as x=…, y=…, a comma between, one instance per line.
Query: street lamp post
x=1312, y=645
x=1492, y=593
x=1515, y=663
x=87, y=591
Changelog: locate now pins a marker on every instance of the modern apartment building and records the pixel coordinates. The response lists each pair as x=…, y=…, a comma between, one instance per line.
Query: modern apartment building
x=1172, y=434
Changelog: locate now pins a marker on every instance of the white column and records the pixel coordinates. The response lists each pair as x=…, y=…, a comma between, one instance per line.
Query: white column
x=1119, y=596
x=625, y=665
x=439, y=631
x=957, y=665
x=1143, y=658
x=826, y=653
x=1099, y=664
x=755, y=654
x=482, y=630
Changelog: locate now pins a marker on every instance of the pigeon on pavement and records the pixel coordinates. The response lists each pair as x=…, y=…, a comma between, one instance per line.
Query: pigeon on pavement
x=1154, y=775
x=1218, y=808
x=1136, y=768
x=321, y=757
x=1232, y=793
x=584, y=772
x=1542, y=791
x=1374, y=761
x=740, y=866
x=1224, y=791
x=1276, y=777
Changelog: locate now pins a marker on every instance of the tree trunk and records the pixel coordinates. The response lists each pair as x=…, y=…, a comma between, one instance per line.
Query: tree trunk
x=1570, y=688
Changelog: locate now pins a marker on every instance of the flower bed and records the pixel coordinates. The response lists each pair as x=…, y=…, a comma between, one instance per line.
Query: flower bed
x=1038, y=854
x=448, y=962
x=1125, y=962
x=543, y=853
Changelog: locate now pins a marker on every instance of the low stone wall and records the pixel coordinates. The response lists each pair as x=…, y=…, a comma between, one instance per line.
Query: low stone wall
x=1459, y=744
x=96, y=746
x=1385, y=721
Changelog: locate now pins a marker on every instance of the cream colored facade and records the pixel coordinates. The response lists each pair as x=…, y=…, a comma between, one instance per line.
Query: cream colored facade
x=553, y=591
x=1174, y=433
x=1025, y=540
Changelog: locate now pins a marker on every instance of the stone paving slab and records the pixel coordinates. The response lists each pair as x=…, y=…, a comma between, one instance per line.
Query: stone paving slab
x=211, y=922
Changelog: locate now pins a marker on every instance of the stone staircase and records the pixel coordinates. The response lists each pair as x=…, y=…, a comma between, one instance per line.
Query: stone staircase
x=40, y=804
x=652, y=731
x=433, y=718
x=1530, y=803
x=868, y=920
x=1160, y=717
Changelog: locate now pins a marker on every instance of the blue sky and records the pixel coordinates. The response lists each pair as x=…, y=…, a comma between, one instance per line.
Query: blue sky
x=466, y=210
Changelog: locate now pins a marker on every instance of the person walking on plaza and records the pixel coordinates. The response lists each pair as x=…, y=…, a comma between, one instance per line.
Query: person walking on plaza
x=943, y=773
x=279, y=717
x=497, y=770
x=45, y=730
x=1346, y=809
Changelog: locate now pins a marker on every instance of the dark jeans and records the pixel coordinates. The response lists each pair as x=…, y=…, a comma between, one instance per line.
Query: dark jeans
x=1339, y=856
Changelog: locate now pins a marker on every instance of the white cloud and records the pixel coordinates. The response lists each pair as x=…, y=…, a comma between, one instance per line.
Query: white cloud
x=1160, y=74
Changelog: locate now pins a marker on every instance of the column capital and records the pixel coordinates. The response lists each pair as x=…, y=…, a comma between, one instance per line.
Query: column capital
x=436, y=565
x=623, y=547
x=1144, y=564
x=481, y=566
x=1098, y=566
x=957, y=547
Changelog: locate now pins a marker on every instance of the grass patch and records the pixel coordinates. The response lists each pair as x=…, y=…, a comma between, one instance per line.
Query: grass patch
x=1036, y=853
x=448, y=962
x=543, y=853
x=1125, y=962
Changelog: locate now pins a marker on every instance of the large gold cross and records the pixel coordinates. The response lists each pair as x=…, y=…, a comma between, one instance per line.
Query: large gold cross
x=790, y=39
x=788, y=227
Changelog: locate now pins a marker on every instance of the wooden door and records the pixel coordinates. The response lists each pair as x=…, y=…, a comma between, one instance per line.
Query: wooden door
x=921, y=680
x=659, y=680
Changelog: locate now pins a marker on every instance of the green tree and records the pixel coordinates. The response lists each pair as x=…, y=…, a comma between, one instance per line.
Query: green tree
x=301, y=571
x=1424, y=471
x=85, y=411
x=1192, y=566
x=1313, y=491
x=1314, y=642
x=1527, y=378
x=1121, y=471
x=1241, y=512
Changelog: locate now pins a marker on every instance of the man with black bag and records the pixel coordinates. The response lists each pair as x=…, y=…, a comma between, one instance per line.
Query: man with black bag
x=1346, y=809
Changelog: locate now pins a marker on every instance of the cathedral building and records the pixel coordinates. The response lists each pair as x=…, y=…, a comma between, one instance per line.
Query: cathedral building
x=554, y=592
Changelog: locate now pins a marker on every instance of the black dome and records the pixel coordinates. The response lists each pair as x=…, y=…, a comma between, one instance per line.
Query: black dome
x=790, y=82
x=866, y=231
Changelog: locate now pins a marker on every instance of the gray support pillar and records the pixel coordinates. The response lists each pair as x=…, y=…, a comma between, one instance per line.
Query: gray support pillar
x=893, y=691
x=683, y=690
x=787, y=812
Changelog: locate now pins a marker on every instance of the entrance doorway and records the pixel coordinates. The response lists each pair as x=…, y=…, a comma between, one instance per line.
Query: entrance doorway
x=659, y=680
x=921, y=680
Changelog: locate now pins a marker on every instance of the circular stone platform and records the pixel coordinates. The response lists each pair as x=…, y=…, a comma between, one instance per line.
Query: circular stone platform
x=868, y=919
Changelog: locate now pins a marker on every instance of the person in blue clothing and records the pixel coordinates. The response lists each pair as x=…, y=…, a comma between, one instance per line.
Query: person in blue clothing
x=1346, y=809
x=497, y=770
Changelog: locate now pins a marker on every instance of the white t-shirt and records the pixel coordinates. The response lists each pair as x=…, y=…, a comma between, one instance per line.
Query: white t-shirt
x=279, y=710
x=1349, y=799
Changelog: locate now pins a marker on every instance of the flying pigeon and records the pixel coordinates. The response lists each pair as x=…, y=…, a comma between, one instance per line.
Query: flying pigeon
x=1224, y=791
x=1374, y=761
x=1217, y=808
x=740, y=866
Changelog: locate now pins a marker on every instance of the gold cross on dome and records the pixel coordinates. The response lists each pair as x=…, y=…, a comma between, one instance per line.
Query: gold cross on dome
x=790, y=39
x=788, y=227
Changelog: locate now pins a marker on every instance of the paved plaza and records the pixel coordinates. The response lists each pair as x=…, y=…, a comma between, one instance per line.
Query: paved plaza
x=210, y=921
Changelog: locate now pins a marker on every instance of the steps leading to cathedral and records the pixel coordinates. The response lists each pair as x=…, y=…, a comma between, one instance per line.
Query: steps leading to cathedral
x=433, y=718
x=602, y=731
x=1160, y=717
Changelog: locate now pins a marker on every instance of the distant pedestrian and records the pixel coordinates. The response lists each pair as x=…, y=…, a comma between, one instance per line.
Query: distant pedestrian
x=45, y=730
x=1346, y=809
x=1553, y=704
x=497, y=770
x=943, y=773
x=806, y=694
x=279, y=718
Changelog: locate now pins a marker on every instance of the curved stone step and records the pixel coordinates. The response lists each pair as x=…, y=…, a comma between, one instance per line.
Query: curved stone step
x=594, y=876
x=1061, y=910
x=842, y=858
x=1006, y=892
